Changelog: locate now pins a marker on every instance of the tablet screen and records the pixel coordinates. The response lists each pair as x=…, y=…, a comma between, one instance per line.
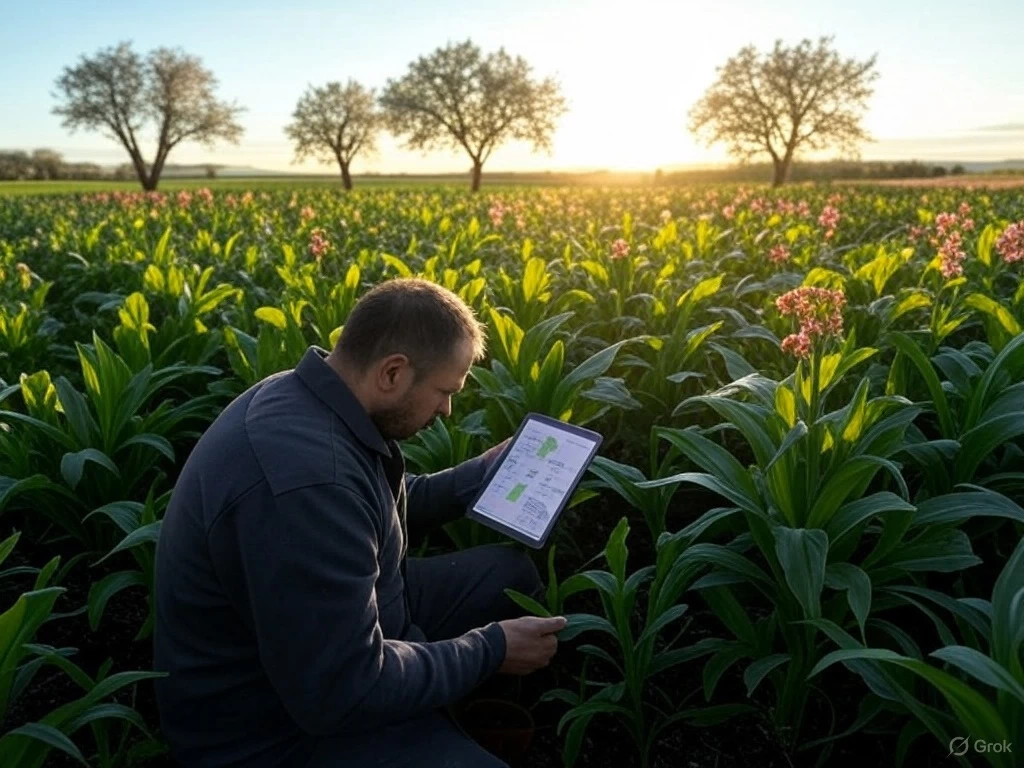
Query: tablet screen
x=538, y=473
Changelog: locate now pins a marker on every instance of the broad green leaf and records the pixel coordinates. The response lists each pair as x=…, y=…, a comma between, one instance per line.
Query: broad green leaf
x=982, y=668
x=996, y=311
x=802, y=554
x=758, y=670
x=45, y=734
x=273, y=316
x=857, y=584
x=101, y=592
x=73, y=464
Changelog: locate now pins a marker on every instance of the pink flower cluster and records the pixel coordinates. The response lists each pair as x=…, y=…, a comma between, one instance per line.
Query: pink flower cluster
x=1010, y=244
x=205, y=196
x=318, y=243
x=129, y=199
x=953, y=255
x=819, y=312
x=778, y=254
x=949, y=239
x=620, y=249
x=829, y=219
x=496, y=213
x=307, y=214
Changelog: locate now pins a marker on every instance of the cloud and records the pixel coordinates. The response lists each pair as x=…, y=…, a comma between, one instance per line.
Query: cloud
x=1004, y=128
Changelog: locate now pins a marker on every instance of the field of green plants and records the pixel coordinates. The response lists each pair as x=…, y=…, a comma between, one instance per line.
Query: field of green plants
x=802, y=541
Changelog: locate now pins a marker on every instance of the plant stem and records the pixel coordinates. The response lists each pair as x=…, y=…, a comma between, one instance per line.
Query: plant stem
x=812, y=436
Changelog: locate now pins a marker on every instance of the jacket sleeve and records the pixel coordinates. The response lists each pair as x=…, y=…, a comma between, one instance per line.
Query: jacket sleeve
x=442, y=497
x=310, y=567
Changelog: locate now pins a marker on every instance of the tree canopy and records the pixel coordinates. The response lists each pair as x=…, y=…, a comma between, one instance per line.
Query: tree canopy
x=457, y=97
x=336, y=122
x=804, y=97
x=118, y=92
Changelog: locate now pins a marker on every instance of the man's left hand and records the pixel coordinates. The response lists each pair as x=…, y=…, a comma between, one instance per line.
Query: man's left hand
x=491, y=454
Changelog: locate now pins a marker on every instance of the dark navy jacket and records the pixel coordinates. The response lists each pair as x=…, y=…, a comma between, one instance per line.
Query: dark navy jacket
x=280, y=594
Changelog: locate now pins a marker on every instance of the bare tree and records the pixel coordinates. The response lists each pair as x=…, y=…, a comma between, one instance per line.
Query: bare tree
x=804, y=97
x=457, y=97
x=119, y=93
x=335, y=121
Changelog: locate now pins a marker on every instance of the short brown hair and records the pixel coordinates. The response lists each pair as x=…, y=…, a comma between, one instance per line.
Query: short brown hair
x=409, y=316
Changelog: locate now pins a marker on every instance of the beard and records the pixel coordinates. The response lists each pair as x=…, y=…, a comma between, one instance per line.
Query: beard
x=398, y=423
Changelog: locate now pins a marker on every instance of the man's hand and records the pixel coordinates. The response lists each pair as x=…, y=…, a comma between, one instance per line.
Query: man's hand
x=491, y=454
x=530, y=643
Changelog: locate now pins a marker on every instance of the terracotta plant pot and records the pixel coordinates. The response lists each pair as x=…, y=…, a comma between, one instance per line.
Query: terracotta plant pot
x=502, y=727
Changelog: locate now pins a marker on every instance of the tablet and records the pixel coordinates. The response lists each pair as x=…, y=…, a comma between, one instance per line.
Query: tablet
x=534, y=478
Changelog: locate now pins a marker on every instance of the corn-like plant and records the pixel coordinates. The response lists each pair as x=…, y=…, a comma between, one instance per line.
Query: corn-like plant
x=26, y=332
x=977, y=408
x=28, y=745
x=808, y=547
x=328, y=302
x=623, y=479
x=673, y=350
x=530, y=297
x=186, y=302
x=441, y=446
x=992, y=661
x=98, y=446
x=279, y=345
x=140, y=523
x=645, y=709
x=527, y=374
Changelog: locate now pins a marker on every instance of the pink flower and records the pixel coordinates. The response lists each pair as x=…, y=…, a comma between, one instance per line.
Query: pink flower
x=184, y=198
x=829, y=218
x=620, y=249
x=1010, y=244
x=797, y=344
x=819, y=312
x=945, y=222
x=205, y=195
x=318, y=243
x=965, y=209
x=803, y=209
x=729, y=211
x=497, y=214
x=307, y=214
x=778, y=254
x=952, y=254
x=757, y=205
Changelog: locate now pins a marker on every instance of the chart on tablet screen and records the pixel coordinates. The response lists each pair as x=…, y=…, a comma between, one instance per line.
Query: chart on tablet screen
x=535, y=477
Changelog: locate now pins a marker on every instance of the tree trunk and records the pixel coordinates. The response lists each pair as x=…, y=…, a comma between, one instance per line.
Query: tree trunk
x=781, y=171
x=346, y=177
x=477, y=171
x=782, y=166
x=140, y=171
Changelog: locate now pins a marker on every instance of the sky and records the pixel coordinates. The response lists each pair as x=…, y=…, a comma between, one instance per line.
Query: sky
x=951, y=85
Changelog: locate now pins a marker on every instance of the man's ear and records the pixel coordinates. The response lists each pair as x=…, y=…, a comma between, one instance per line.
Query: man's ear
x=393, y=373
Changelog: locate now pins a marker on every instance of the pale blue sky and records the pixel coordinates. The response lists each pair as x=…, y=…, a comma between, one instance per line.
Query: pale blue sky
x=630, y=69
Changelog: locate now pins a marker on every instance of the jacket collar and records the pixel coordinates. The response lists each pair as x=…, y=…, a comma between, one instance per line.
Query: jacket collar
x=327, y=385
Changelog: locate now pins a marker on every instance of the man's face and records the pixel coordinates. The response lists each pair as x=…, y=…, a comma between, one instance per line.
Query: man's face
x=412, y=405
